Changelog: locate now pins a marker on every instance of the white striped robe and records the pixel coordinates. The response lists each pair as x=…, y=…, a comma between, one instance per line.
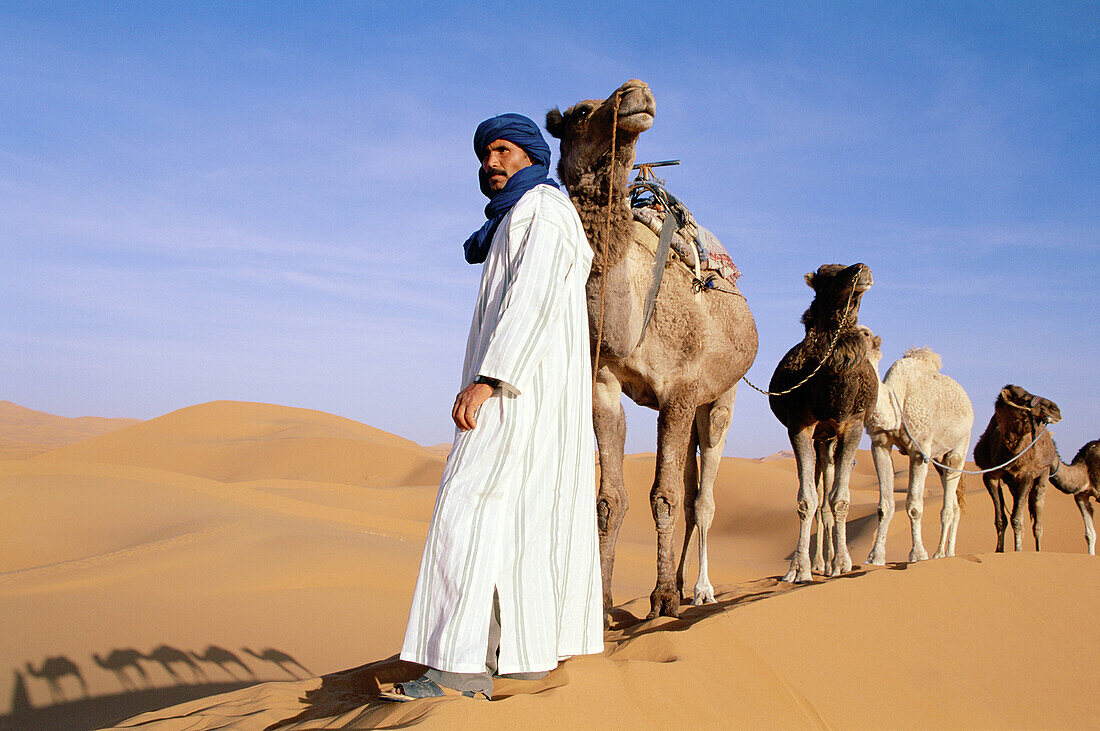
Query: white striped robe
x=516, y=508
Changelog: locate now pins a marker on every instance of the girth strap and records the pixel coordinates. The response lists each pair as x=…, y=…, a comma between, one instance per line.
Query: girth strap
x=668, y=228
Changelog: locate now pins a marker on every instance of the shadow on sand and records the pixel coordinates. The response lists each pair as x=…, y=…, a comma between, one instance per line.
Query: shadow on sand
x=104, y=710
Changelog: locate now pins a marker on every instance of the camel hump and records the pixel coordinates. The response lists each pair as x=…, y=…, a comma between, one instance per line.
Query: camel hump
x=925, y=356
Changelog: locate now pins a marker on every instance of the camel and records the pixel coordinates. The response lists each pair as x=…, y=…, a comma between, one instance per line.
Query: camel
x=1016, y=424
x=685, y=364
x=52, y=670
x=166, y=655
x=823, y=388
x=1081, y=478
x=222, y=658
x=938, y=418
x=117, y=661
x=279, y=658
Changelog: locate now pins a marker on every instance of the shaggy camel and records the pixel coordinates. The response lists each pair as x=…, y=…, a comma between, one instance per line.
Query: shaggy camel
x=1081, y=478
x=1016, y=422
x=52, y=670
x=938, y=418
x=830, y=386
x=687, y=365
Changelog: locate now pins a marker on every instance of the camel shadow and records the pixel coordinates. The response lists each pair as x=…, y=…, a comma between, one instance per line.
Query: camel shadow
x=103, y=710
x=138, y=691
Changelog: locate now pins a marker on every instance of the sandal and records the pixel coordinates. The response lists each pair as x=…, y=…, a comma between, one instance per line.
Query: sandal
x=425, y=687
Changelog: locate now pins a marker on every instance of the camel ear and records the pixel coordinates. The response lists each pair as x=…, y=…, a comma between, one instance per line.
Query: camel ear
x=554, y=122
x=809, y=279
x=878, y=342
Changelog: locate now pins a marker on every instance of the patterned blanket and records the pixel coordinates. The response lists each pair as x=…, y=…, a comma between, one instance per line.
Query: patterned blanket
x=697, y=247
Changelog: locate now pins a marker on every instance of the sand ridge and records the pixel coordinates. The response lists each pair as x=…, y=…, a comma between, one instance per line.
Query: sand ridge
x=223, y=525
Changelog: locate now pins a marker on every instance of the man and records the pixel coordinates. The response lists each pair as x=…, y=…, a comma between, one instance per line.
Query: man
x=510, y=580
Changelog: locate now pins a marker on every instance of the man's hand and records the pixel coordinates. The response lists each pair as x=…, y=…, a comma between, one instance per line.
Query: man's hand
x=468, y=401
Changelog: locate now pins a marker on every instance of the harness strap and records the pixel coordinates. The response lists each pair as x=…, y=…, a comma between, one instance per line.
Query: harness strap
x=668, y=228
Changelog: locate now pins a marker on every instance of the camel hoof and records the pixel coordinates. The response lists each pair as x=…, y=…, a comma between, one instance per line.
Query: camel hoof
x=876, y=558
x=663, y=604
x=703, y=595
x=915, y=556
x=939, y=554
x=798, y=576
x=818, y=566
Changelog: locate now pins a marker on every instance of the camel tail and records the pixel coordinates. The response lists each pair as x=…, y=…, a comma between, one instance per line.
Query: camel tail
x=960, y=493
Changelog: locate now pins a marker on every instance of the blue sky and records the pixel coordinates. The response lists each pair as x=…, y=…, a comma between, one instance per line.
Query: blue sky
x=266, y=201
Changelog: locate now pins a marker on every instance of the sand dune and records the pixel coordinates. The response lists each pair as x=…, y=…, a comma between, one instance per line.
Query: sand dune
x=25, y=432
x=236, y=525
x=234, y=442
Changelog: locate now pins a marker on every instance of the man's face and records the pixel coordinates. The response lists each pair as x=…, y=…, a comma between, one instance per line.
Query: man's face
x=502, y=160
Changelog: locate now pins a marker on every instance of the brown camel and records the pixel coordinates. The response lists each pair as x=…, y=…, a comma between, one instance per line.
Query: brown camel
x=687, y=365
x=1018, y=418
x=1081, y=478
x=830, y=385
x=55, y=668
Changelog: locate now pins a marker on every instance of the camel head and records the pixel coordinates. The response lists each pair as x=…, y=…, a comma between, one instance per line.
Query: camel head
x=585, y=133
x=1014, y=402
x=874, y=345
x=836, y=287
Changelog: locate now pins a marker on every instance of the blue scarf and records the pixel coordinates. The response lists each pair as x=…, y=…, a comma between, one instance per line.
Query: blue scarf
x=522, y=132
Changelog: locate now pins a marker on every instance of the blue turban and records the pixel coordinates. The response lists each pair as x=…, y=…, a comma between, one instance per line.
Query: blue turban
x=522, y=132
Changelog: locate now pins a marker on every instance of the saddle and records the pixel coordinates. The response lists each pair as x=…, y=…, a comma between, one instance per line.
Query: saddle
x=694, y=246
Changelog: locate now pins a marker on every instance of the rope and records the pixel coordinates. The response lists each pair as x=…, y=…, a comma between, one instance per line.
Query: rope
x=607, y=237
x=832, y=346
x=926, y=458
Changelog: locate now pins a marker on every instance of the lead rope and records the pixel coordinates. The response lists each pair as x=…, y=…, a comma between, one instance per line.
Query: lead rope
x=832, y=346
x=926, y=458
x=607, y=238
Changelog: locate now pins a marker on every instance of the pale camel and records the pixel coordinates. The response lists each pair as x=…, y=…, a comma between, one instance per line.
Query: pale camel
x=694, y=351
x=1016, y=428
x=52, y=670
x=1081, y=478
x=938, y=418
x=823, y=388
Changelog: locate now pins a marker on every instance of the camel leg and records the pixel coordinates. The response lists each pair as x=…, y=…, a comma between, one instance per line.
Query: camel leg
x=1035, y=500
x=823, y=478
x=949, y=515
x=840, y=497
x=673, y=434
x=884, y=469
x=691, y=490
x=802, y=441
x=993, y=487
x=609, y=422
x=1019, y=500
x=712, y=424
x=1085, y=507
x=914, y=505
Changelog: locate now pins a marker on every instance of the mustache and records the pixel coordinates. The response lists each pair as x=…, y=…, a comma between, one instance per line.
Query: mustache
x=494, y=171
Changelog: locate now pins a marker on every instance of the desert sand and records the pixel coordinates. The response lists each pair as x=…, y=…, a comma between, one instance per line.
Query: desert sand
x=230, y=525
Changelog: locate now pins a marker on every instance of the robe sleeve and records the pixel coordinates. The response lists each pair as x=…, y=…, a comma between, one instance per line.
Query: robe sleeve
x=529, y=314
